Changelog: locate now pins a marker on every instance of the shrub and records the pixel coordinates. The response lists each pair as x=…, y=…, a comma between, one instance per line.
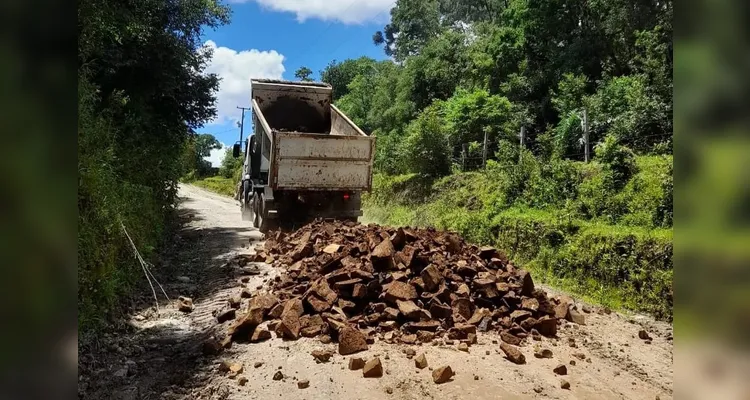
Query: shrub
x=427, y=149
x=619, y=161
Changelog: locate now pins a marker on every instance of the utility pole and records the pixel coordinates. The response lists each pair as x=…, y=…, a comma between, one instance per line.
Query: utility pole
x=522, y=143
x=242, y=121
x=585, y=125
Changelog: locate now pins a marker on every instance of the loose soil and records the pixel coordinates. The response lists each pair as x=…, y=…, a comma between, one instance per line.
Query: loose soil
x=159, y=355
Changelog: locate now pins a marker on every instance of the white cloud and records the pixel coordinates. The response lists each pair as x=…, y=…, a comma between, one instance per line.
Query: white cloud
x=217, y=156
x=235, y=70
x=346, y=11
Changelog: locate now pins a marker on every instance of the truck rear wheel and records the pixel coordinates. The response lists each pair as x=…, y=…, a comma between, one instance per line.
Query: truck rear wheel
x=255, y=205
x=248, y=213
x=265, y=224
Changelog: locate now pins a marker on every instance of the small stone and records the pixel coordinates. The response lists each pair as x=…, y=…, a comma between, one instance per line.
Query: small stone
x=573, y=362
x=487, y=352
x=642, y=334
x=538, y=389
x=303, y=384
x=561, y=369
x=260, y=335
x=421, y=361
x=373, y=368
x=278, y=376
x=463, y=347
x=242, y=380
x=576, y=317
x=322, y=356
x=565, y=384
x=543, y=353
x=185, y=304
x=476, y=377
x=325, y=339
x=389, y=390
x=258, y=364
x=442, y=374
x=356, y=363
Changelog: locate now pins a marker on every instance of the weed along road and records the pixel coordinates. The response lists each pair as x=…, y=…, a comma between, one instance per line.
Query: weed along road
x=344, y=310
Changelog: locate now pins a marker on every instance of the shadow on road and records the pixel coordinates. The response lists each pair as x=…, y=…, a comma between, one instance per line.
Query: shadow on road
x=158, y=355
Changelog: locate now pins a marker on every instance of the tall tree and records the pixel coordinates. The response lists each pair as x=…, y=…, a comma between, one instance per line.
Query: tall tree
x=303, y=73
x=413, y=24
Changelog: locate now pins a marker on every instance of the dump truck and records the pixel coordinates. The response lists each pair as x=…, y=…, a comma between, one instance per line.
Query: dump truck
x=305, y=158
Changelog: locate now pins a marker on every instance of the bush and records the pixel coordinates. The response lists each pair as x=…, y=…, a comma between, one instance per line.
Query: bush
x=427, y=150
x=619, y=162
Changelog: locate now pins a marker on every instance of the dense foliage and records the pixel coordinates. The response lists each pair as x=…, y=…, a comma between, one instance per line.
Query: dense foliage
x=142, y=92
x=491, y=67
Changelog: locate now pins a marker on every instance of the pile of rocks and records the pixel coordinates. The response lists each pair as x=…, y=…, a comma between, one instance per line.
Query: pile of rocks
x=351, y=283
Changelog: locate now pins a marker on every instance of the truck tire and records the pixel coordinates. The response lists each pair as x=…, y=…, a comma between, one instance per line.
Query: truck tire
x=265, y=224
x=248, y=213
x=255, y=204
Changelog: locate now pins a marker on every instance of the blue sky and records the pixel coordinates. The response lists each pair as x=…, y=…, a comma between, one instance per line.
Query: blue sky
x=272, y=38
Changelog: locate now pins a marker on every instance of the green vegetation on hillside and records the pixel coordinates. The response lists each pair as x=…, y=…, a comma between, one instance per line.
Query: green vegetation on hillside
x=142, y=92
x=622, y=256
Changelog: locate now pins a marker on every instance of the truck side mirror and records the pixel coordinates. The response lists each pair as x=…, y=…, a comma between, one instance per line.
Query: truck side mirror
x=236, y=150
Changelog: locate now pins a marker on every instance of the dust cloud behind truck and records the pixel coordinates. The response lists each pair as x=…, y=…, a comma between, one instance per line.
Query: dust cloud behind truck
x=305, y=159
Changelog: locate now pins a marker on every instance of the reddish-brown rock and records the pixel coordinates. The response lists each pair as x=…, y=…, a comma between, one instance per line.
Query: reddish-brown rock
x=512, y=353
x=351, y=341
x=373, y=368
x=442, y=374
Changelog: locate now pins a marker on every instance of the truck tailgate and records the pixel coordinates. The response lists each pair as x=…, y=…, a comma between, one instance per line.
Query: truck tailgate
x=322, y=162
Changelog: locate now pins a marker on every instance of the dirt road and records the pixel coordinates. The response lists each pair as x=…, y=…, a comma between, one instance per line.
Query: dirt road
x=158, y=354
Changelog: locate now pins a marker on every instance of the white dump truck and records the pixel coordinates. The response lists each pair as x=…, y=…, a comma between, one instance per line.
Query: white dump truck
x=305, y=159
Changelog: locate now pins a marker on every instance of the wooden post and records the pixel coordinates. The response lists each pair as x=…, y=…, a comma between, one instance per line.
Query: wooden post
x=585, y=124
x=484, y=150
x=464, y=151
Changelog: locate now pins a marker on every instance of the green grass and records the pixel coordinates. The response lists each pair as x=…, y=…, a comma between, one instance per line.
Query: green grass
x=218, y=184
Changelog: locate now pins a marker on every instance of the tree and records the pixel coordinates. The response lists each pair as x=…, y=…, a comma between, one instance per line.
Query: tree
x=303, y=73
x=413, y=24
x=340, y=74
x=426, y=147
x=143, y=91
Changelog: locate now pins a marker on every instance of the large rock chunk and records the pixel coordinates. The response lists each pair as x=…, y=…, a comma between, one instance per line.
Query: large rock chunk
x=264, y=301
x=382, y=255
x=527, y=284
x=244, y=325
x=351, y=341
x=431, y=278
x=410, y=310
x=421, y=361
x=463, y=307
x=398, y=290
